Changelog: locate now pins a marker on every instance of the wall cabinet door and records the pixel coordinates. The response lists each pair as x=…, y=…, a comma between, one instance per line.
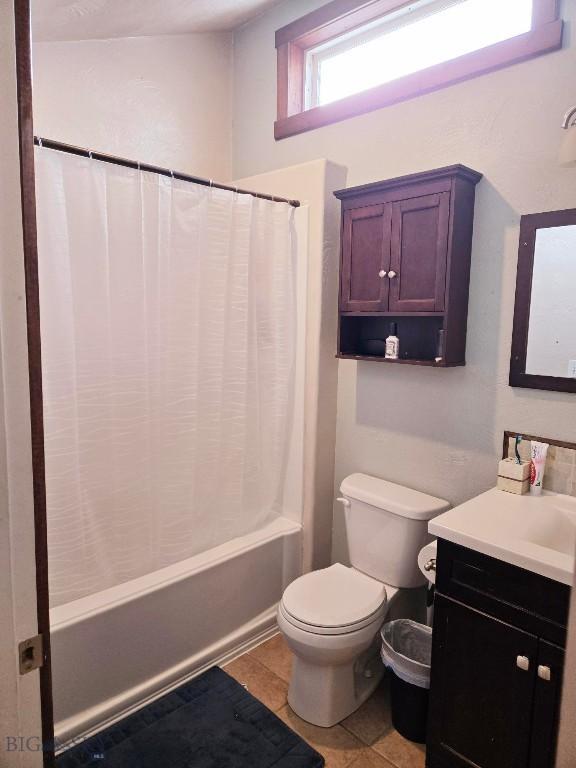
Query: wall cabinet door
x=419, y=253
x=365, y=259
x=481, y=701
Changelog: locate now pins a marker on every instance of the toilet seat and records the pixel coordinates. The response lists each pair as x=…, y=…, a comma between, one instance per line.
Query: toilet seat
x=334, y=601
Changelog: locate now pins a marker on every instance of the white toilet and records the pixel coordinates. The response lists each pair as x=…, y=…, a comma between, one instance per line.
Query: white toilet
x=331, y=618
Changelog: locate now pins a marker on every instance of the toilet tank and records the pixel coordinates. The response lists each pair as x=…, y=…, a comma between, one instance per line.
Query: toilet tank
x=386, y=527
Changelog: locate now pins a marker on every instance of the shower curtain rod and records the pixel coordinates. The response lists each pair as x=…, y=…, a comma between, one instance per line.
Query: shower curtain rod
x=72, y=150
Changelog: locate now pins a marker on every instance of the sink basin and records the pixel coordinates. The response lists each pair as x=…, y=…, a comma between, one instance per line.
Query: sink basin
x=537, y=533
x=553, y=527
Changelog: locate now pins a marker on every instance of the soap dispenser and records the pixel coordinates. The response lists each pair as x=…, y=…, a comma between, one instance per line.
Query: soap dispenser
x=392, y=343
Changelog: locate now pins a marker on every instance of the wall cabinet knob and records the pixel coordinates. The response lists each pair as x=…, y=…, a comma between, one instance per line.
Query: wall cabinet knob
x=382, y=273
x=544, y=673
x=523, y=662
x=391, y=274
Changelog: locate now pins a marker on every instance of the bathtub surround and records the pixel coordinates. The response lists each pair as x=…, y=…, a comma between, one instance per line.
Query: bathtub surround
x=168, y=337
x=313, y=184
x=448, y=424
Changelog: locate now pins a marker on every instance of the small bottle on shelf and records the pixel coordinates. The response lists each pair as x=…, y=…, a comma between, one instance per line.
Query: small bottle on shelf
x=392, y=343
x=440, y=346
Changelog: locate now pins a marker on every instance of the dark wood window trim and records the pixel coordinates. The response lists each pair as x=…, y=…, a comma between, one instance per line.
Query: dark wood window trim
x=339, y=16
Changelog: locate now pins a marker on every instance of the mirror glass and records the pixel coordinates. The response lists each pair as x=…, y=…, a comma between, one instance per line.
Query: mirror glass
x=551, y=349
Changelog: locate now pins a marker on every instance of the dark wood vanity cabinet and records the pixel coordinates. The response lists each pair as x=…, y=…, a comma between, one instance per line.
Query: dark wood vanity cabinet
x=497, y=662
x=406, y=246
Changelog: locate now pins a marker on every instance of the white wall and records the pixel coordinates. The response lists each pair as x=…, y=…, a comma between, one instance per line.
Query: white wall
x=437, y=430
x=19, y=696
x=160, y=100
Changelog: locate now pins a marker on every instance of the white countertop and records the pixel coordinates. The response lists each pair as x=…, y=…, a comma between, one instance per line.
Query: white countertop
x=537, y=533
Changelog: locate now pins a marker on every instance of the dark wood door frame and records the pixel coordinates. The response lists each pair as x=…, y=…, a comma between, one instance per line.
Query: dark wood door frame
x=28, y=192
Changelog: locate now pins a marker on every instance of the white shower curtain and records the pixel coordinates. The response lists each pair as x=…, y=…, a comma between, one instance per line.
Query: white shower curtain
x=168, y=336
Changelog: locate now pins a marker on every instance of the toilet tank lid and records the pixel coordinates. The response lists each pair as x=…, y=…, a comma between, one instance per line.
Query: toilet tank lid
x=392, y=497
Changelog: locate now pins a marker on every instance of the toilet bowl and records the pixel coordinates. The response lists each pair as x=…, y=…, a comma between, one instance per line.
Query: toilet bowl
x=331, y=618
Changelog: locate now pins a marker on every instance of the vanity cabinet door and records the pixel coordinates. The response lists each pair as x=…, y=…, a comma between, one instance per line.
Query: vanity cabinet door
x=482, y=690
x=419, y=253
x=546, y=714
x=365, y=259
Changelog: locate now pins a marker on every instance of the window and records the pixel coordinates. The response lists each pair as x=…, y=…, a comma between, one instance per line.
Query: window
x=417, y=37
x=350, y=57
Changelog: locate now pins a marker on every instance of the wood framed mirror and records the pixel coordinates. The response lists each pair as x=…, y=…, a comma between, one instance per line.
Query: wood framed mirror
x=544, y=333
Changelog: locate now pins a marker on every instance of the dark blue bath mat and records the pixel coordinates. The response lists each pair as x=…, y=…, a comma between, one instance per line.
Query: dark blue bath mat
x=211, y=722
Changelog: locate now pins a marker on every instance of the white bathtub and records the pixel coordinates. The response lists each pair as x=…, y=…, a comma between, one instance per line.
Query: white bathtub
x=115, y=651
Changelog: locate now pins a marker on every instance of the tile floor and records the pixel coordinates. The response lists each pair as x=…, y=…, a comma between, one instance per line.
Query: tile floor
x=366, y=739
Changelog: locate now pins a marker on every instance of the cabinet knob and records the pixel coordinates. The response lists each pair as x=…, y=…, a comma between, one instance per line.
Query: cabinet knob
x=523, y=662
x=544, y=673
x=382, y=273
x=391, y=274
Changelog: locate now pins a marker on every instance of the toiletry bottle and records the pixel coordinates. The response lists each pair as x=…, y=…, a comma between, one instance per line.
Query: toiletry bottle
x=538, y=453
x=392, y=343
x=440, y=345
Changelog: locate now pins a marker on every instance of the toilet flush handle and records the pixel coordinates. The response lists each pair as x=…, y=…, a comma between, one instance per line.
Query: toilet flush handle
x=345, y=503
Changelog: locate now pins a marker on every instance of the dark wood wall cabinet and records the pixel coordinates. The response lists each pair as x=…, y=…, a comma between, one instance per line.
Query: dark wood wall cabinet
x=497, y=663
x=405, y=258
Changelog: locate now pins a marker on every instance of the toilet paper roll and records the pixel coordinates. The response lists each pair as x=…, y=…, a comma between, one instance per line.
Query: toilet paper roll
x=426, y=554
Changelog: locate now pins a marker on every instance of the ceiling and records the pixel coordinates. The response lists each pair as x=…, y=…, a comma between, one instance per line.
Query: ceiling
x=100, y=19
